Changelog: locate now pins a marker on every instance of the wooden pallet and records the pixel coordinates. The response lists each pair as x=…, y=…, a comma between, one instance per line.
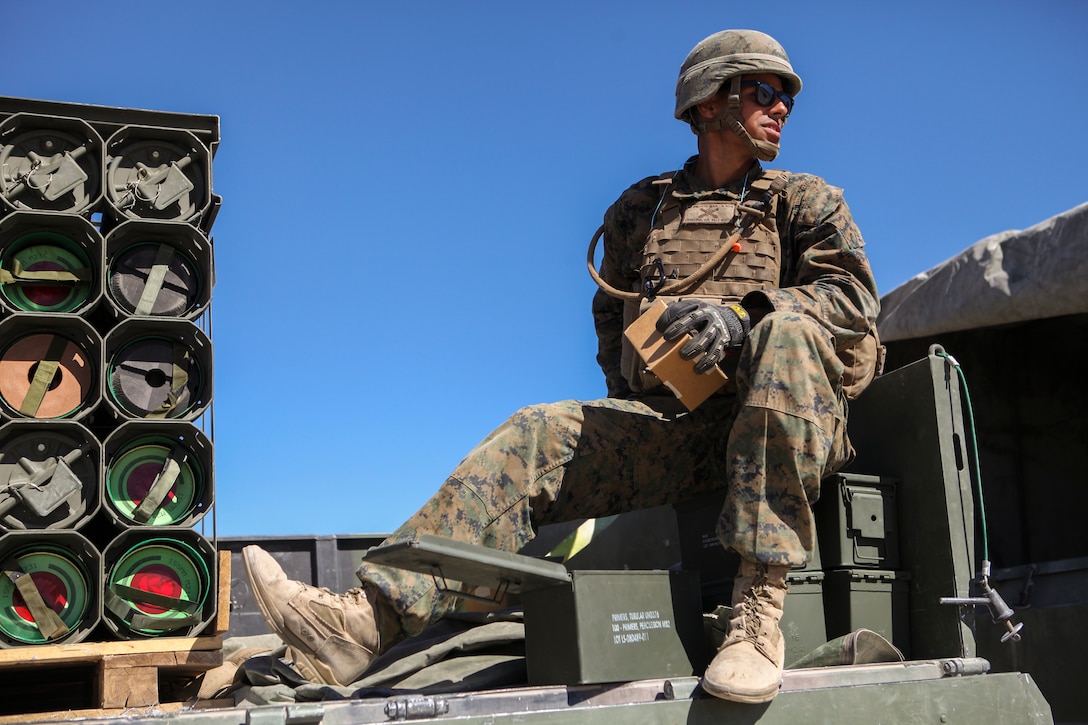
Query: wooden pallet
x=53, y=681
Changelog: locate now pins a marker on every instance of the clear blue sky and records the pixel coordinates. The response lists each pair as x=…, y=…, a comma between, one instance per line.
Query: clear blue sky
x=409, y=189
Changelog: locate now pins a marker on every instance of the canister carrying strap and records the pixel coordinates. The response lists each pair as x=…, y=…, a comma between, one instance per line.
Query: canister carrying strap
x=20, y=275
x=43, y=376
x=178, y=381
x=753, y=214
x=161, y=486
x=155, y=278
x=130, y=615
x=46, y=620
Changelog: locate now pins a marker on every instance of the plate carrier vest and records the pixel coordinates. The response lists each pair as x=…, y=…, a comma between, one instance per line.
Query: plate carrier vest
x=686, y=231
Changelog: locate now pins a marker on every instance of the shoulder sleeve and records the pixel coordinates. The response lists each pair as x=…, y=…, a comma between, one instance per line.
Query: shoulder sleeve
x=825, y=271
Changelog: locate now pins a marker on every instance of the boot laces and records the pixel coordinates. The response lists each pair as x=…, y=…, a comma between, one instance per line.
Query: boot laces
x=356, y=595
x=750, y=615
x=353, y=596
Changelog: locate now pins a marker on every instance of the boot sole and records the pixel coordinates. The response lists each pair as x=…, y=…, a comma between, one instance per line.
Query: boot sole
x=298, y=647
x=751, y=698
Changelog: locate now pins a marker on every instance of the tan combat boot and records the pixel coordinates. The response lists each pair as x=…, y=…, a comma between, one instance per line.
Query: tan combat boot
x=748, y=667
x=331, y=638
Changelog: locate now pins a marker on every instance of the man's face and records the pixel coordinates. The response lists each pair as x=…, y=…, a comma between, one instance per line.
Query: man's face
x=763, y=123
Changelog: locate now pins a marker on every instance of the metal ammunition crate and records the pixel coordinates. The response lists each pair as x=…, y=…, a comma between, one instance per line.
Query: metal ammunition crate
x=856, y=520
x=612, y=626
x=581, y=627
x=868, y=599
x=802, y=622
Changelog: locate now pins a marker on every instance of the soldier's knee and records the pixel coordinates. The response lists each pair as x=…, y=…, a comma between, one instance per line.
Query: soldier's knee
x=791, y=330
x=543, y=416
x=779, y=323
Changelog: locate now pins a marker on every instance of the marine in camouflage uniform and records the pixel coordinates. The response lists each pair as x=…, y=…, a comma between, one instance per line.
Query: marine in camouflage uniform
x=767, y=439
x=769, y=444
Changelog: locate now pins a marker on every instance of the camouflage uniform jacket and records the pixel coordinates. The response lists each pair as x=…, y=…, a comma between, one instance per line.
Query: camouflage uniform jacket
x=823, y=270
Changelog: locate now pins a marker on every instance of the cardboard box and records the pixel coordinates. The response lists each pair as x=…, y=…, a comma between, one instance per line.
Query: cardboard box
x=663, y=360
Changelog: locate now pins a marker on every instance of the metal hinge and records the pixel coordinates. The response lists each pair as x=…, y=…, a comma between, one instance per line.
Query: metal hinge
x=416, y=708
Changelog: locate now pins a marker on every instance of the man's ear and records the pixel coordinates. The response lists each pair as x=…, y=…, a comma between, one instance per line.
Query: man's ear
x=709, y=109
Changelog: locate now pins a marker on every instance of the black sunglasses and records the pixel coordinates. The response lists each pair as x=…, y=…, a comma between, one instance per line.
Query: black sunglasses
x=767, y=95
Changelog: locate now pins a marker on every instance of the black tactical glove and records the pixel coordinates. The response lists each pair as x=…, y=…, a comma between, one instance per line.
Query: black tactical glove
x=714, y=329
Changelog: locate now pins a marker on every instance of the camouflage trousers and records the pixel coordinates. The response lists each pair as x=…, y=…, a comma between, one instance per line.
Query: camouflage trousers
x=768, y=446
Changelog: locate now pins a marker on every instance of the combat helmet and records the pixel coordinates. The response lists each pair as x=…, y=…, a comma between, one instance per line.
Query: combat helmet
x=726, y=56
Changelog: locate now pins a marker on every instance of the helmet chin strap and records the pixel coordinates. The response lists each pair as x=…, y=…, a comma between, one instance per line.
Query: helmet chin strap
x=731, y=119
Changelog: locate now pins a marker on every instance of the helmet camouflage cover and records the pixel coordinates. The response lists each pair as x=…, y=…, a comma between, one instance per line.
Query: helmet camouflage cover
x=726, y=56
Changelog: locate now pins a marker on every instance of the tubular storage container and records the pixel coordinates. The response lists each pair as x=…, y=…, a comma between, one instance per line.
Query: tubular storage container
x=49, y=588
x=158, y=583
x=106, y=364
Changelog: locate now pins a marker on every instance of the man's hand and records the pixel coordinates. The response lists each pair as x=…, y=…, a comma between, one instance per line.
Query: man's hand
x=714, y=329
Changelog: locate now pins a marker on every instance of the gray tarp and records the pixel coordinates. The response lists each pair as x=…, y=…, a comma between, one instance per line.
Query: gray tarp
x=1008, y=277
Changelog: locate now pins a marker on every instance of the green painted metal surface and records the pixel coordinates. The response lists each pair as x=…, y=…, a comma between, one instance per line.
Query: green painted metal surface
x=907, y=694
